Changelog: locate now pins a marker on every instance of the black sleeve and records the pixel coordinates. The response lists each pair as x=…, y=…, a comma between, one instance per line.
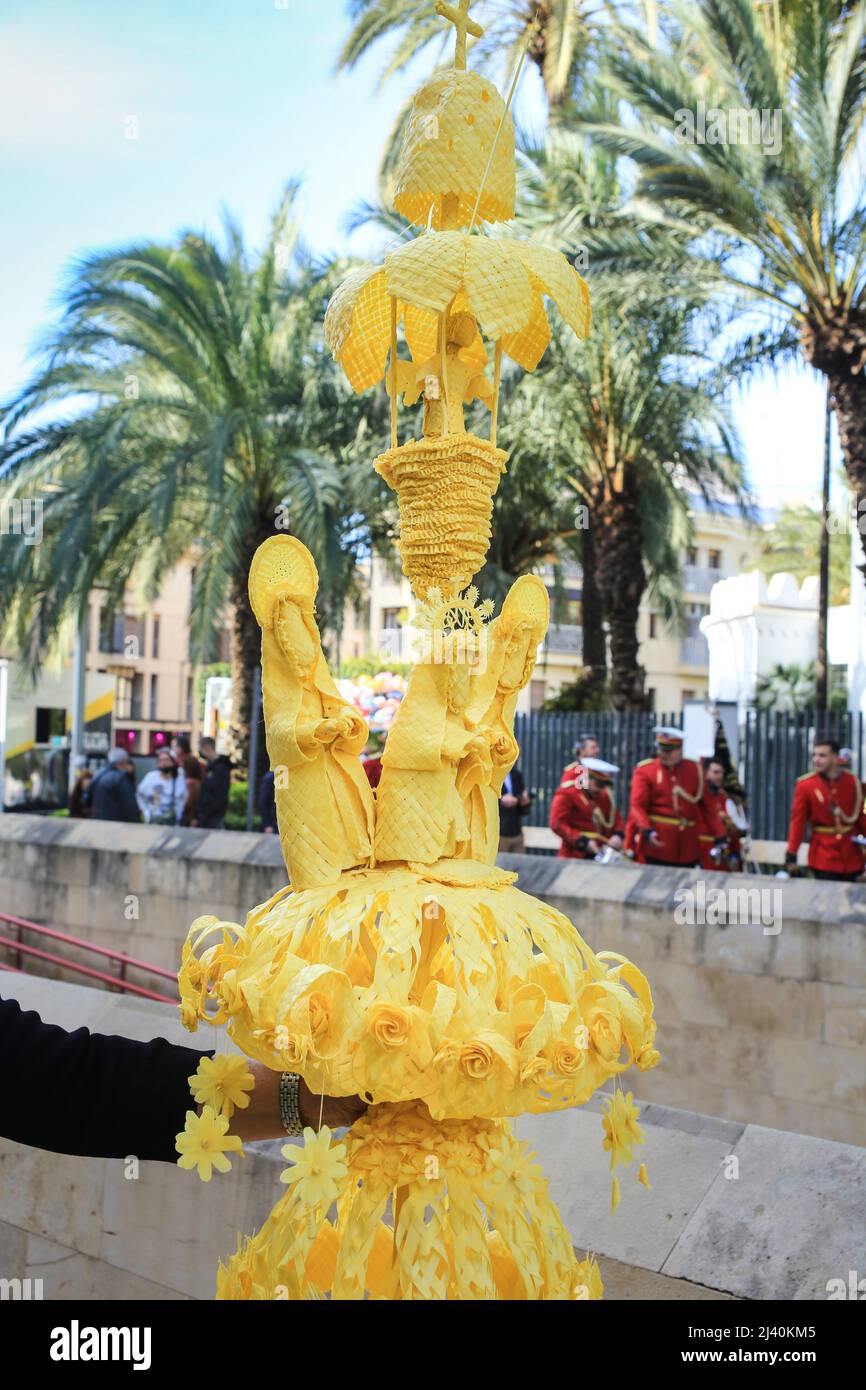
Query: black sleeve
x=214, y=795
x=86, y=1093
x=128, y=803
x=267, y=802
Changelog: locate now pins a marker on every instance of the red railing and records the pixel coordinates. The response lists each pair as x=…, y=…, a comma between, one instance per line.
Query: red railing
x=119, y=981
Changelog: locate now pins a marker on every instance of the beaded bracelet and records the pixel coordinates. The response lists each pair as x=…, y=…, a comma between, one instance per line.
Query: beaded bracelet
x=290, y=1109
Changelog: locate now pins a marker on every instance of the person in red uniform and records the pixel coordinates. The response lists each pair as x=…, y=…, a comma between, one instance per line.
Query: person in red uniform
x=586, y=745
x=583, y=812
x=713, y=855
x=830, y=800
x=668, y=793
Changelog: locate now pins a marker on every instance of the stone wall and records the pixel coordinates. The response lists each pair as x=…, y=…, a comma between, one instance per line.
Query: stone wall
x=762, y=1023
x=735, y=1211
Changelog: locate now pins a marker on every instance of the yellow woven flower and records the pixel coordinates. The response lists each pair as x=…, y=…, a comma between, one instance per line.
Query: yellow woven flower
x=621, y=1128
x=319, y=1167
x=204, y=1143
x=222, y=1082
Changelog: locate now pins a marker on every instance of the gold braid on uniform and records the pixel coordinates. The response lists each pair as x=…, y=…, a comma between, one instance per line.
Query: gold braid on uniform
x=599, y=817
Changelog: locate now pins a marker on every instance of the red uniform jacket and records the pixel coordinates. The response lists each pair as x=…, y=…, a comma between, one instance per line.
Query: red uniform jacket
x=575, y=812
x=669, y=801
x=834, y=809
x=706, y=838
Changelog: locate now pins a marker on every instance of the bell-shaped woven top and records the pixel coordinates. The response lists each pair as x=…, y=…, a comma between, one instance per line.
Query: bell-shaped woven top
x=457, y=118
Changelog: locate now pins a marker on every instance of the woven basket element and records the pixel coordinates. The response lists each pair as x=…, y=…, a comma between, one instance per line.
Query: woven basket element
x=445, y=488
x=454, y=122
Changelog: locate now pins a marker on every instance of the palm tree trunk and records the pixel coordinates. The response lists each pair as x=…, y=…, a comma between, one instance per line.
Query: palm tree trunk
x=848, y=397
x=838, y=350
x=622, y=580
x=246, y=655
x=594, y=640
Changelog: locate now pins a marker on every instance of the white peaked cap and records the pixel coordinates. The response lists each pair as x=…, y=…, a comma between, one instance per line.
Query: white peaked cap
x=600, y=766
x=668, y=731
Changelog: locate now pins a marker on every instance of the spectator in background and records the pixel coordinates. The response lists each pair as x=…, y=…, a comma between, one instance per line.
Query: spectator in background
x=213, y=799
x=513, y=806
x=180, y=748
x=267, y=804
x=161, y=793
x=193, y=773
x=79, y=797
x=181, y=751
x=111, y=794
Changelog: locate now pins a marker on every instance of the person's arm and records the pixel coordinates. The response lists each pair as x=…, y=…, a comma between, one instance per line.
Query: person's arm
x=179, y=797
x=709, y=810
x=141, y=795
x=797, y=828
x=127, y=798
x=639, y=806
x=560, y=819
x=111, y=1097
x=90, y=1094
x=220, y=783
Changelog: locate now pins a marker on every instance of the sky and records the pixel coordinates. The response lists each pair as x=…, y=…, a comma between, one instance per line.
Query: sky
x=136, y=120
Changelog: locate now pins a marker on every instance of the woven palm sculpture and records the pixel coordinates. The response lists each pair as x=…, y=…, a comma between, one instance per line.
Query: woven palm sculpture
x=401, y=964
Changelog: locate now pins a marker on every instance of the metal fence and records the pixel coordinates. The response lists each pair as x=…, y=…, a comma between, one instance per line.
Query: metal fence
x=774, y=750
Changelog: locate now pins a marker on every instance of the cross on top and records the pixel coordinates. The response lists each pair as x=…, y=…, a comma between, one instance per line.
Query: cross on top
x=459, y=17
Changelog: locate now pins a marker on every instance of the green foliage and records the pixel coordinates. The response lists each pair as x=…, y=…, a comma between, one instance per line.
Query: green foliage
x=203, y=675
x=786, y=689
x=793, y=546
x=585, y=695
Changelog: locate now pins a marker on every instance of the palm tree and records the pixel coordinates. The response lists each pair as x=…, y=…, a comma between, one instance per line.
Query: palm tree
x=636, y=414
x=782, y=223
x=786, y=689
x=184, y=405
x=793, y=546
x=636, y=418
x=559, y=35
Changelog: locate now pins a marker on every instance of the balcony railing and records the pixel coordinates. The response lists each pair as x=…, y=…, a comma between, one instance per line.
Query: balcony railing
x=566, y=639
x=699, y=579
x=694, y=651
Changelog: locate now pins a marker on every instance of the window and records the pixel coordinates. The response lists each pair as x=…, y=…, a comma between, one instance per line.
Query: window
x=123, y=696
x=688, y=695
x=692, y=555
x=390, y=617
x=154, y=638
x=189, y=699
x=121, y=633
x=714, y=559
x=694, y=613
x=50, y=723
x=537, y=694
x=573, y=612
x=137, y=702
x=154, y=682
x=110, y=631
x=651, y=698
